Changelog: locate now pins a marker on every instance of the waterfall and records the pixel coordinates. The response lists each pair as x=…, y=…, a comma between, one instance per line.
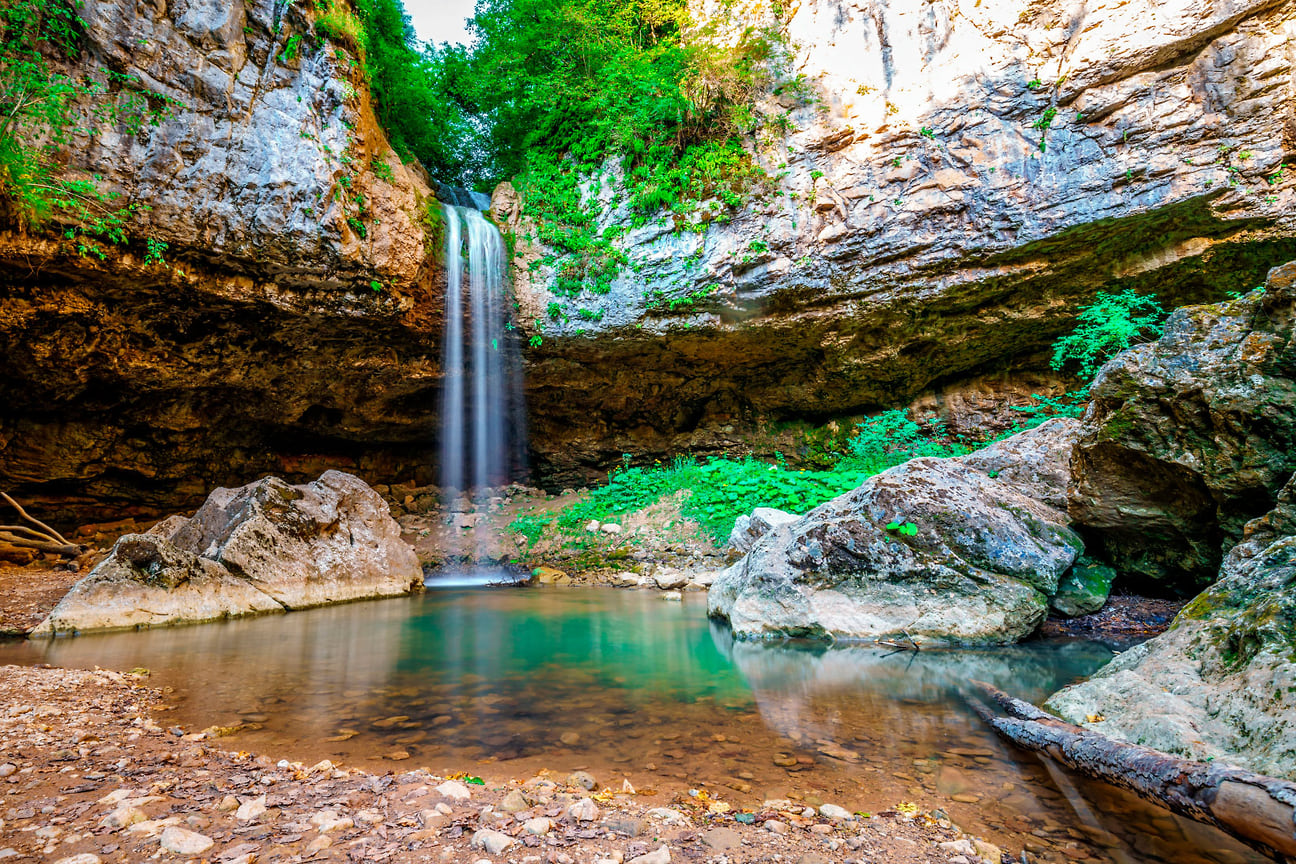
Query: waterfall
x=483, y=432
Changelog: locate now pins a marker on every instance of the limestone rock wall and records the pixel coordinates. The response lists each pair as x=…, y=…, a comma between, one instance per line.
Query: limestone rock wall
x=292, y=327
x=925, y=230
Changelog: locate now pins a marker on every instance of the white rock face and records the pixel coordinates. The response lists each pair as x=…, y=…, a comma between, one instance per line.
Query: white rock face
x=967, y=559
x=264, y=547
x=949, y=234
x=245, y=166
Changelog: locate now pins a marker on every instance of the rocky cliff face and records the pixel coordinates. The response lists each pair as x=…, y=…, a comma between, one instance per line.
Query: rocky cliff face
x=960, y=178
x=1189, y=437
x=294, y=325
x=964, y=176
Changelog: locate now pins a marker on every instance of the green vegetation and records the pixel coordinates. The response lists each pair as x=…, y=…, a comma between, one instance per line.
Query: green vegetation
x=41, y=109
x=553, y=91
x=1106, y=327
x=721, y=490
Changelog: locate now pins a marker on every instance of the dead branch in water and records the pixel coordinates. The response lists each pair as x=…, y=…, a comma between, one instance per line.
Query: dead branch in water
x=1258, y=810
x=42, y=537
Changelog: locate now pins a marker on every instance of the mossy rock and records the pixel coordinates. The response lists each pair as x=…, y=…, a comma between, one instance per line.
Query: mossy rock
x=1083, y=589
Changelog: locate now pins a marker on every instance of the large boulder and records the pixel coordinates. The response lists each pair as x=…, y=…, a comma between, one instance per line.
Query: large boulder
x=323, y=542
x=264, y=547
x=1221, y=682
x=146, y=581
x=978, y=569
x=1189, y=437
x=748, y=529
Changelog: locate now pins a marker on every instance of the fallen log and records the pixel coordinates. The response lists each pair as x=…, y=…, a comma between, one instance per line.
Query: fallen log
x=1260, y=811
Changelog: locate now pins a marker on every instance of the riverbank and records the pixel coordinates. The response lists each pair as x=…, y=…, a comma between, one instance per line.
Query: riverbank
x=93, y=772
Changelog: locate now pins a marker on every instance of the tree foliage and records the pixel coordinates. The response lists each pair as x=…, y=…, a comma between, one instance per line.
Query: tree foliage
x=1112, y=323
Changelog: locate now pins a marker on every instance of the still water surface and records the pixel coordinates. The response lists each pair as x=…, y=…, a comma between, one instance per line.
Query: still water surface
x=506, y=682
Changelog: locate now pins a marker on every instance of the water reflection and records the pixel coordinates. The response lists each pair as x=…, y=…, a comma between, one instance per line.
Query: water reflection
x=505, y=683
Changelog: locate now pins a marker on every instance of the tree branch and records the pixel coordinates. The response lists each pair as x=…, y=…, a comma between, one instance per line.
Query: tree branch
x=1258, y=810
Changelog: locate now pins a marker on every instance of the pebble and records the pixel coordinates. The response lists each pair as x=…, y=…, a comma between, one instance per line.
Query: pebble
x=625, y=825
x=837, y=814
x=492, y=841
x=965, y=798
x=123, y=817
x=83, y=858
x=774, y=826
x=660, y=855
x=583, y=810
x=184, y=842
x=328, y=820
x=570, y=738
x=667, y=815
x=672, y=595
x=319, y=844
x=583, y=779
x=783, y=760
x=8, y=769
x=454, y=790
x=722, y=839
x=538, y=827
x=252, y=809
x=513, y=802
x=821, y=829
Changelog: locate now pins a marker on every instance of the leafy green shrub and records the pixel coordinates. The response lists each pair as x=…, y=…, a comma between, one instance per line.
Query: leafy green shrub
x=337, y=23
x=892, y=438
x=530, y=526
x=721, y=490
x=1106, y=327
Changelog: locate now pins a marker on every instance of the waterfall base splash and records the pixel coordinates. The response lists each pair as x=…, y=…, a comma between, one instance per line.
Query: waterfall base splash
x=475, y=577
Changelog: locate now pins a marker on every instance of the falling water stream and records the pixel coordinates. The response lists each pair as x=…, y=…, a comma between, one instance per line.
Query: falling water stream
x=482, y=421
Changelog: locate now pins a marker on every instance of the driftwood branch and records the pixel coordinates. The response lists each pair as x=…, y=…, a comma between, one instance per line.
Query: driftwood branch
x=1258, y=810
x=42, y=538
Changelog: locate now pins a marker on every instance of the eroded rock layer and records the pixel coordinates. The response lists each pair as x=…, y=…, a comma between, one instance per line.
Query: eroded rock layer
x=294, y=318
x=965, y=176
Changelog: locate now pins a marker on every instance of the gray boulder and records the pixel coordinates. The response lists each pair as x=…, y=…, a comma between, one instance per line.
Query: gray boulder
x=979, y=569
x=327, y=541
x=748, y=529
x=1189, y=437
x=1037, y=462
x=146, y=581
x=1221, y=682
x=264, y=547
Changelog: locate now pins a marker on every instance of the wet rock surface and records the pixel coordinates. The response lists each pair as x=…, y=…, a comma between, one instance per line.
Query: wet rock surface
x=1221, y=682
x=265, y=547
x=1190, y=436
x=932, y=549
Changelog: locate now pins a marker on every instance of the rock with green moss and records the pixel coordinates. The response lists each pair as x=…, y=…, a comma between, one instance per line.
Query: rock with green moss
x=933, y=550
x=1221, y=682
x=1083, y=589
x=1189, y=437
